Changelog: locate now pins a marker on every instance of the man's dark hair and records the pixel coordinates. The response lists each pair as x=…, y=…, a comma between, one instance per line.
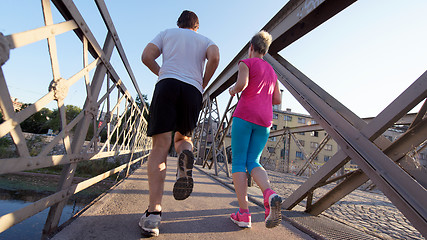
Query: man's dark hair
x=188, y=19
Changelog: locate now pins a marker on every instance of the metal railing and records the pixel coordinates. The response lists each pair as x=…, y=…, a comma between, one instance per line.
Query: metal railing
x=123, y=119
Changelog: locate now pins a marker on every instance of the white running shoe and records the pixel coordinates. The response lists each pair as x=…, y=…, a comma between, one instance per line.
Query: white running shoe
x=150, y=223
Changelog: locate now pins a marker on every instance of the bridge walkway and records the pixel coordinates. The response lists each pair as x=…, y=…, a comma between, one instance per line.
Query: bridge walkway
x=204, y=215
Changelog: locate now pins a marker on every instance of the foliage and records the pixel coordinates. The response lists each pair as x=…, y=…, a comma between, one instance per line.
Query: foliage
x=71, y=112
x=94, y=168
x=139, y=103
x=39, y=122
x=35, y=145
x=45, y=119
x=85, y=169
x=5, y=149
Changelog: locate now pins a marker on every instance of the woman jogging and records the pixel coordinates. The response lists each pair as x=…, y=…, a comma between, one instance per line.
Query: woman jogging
x=251, y=127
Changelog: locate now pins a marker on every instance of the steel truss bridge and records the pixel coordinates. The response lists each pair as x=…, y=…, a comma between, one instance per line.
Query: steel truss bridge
x=361, y=141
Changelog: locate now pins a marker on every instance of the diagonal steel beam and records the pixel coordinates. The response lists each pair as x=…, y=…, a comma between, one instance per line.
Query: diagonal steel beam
x=293, y=21
x=381, y=141
x=109, y=23
x=69, y=11
x=67, y=175
x=406, y=194
x=9, y=113
x=339, y=159
x=397, y=151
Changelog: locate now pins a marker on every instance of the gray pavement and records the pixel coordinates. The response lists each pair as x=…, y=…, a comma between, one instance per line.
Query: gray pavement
x=204, y=215
x=369, y=212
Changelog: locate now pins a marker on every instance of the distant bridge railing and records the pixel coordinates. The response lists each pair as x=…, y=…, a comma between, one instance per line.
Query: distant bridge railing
x=122, y=120
x=378, y=159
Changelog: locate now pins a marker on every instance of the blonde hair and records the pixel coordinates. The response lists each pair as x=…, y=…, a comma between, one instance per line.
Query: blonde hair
x=261, y=42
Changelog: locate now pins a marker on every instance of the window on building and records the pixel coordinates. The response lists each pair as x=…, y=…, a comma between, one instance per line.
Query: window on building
x=275, y=116
x=326, y=158
x=299, y=155
x=314, y=144
x=313, y=121
x=422, y=156
x=389, y=137
x=288, y=118
x=328, y=147
x=270, y=149
x=273, y=127
x=314, y=134
x=301, y=133
x=301, y=120
x=272, y=139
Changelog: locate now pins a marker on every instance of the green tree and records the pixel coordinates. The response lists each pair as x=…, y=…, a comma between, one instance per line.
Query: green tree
x=71, y=112
x=38, y=122
x=139, y=103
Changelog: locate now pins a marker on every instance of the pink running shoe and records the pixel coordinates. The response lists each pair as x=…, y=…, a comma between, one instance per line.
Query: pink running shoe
x=241, y=219
x=273, y=206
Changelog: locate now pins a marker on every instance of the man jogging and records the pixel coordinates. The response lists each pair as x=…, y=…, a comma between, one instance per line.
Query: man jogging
x=175, y=107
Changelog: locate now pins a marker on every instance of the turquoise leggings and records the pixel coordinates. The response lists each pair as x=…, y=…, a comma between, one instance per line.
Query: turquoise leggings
x=247, y=142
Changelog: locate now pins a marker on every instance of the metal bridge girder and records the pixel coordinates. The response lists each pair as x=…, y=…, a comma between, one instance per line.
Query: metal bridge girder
x=405, y=193
x=134, y=140
x=358, y=138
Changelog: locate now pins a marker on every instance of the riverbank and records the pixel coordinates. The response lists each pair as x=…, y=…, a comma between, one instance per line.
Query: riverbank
x=31, y=187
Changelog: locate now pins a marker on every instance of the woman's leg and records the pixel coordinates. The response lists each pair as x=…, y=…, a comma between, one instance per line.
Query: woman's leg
x=241, y=187
x=256, y=145
x=240, y=137
x=261, y=178
x=272, y=202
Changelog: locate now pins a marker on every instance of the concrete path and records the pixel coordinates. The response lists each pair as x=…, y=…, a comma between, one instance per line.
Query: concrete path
x=204, y=215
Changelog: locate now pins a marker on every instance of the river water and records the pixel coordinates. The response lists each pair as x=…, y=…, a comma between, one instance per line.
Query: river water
x=31, y=228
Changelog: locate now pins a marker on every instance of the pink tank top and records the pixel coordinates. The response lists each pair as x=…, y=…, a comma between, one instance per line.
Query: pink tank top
x=255, y=104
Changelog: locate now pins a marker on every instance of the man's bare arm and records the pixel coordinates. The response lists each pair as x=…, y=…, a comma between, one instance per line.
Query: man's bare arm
x=212, y=54
x=149, y=56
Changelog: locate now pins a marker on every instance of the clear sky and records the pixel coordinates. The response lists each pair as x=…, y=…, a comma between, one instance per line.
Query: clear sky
x=365, y=56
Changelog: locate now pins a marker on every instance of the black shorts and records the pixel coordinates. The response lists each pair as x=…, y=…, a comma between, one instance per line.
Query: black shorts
x=175, y=107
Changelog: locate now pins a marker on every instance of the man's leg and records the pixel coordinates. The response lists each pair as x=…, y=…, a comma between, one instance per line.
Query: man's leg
x=184, y=182
x=182, y=143
x=157, y=169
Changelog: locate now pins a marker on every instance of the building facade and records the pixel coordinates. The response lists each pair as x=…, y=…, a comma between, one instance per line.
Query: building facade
x=301, y=145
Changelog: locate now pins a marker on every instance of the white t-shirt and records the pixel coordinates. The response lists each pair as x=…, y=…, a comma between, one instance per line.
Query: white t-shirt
x=184, y=54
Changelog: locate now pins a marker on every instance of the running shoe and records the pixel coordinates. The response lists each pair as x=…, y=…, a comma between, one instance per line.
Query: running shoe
x=149, y=223
x=184, y=176
x=273, y=207
x=241, y=219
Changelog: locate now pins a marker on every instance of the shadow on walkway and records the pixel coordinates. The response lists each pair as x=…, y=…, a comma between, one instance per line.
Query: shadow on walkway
x=204, y=215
